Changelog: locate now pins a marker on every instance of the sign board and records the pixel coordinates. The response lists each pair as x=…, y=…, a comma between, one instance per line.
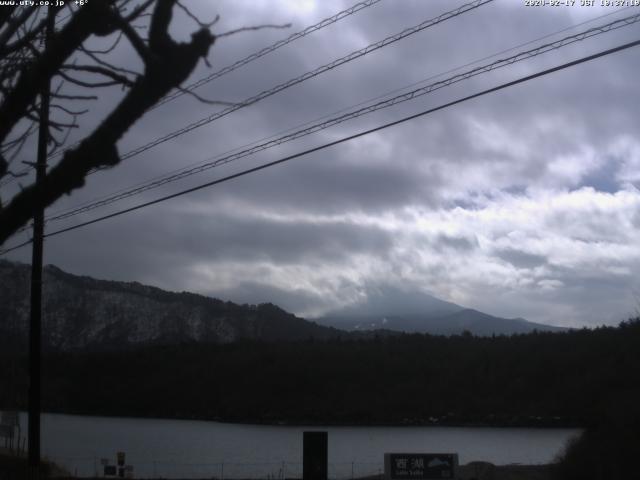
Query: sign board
x=110, y=471
x=10, y=418
x=104, y=462
x=420, y=466
x=120, y=456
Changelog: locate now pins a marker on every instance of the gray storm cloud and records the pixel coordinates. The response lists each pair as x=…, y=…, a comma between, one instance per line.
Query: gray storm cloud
x=521, y=203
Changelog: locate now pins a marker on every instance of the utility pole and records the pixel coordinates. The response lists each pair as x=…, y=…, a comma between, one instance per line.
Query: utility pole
x=35, y=323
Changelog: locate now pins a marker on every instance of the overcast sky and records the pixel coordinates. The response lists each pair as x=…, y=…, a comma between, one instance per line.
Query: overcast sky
x=521, y=203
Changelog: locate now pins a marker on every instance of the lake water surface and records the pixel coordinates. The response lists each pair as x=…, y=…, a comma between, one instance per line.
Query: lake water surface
x=199, y=449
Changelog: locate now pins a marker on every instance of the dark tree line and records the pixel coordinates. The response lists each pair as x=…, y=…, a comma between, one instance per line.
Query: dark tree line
x=548, y=379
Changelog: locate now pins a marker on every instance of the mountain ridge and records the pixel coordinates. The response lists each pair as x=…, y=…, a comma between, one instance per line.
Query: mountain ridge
x=468, y=320
x=81, y=312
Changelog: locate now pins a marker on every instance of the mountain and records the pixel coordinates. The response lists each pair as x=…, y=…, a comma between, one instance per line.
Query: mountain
x=82, y=312
x=417, y=312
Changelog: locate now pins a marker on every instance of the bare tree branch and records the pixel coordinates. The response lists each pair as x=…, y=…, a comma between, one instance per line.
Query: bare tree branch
x=69, y=112
x=85, y=22
x=196, y=19
x=82, y=83
x=205, y=100
x=13, y=25
x=116, y=77
x=112, y=47
x=136, y=41
x=98, y=60
x=5, y=14
x=138, y=11
x=167, y=65
x=250, y=29
x=6, y=49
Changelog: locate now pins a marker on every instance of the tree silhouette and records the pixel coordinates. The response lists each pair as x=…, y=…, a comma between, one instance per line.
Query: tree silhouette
x=27, y=64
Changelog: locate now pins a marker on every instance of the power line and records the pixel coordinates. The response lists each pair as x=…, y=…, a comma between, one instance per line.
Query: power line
x=308, y=75
x=255, y=142
x=266, y=50
x=254, y=56
x=290, y=83
x=336, y=142
x=183, y=173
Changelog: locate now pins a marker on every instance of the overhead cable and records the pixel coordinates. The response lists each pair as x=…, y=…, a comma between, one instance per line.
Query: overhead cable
x=254, y=56
x=266, y=50
x=336, y=142
x=348, y=116
x=310, y=74
x=310, y=122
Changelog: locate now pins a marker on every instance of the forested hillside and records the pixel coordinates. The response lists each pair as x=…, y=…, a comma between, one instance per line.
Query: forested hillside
x=85, y=313
x=568, y=378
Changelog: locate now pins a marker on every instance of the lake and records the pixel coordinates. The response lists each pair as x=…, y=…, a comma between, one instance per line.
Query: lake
x=200, y=449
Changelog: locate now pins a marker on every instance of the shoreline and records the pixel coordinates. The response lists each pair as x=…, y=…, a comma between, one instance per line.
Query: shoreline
x=15, y=466
x=539, y=422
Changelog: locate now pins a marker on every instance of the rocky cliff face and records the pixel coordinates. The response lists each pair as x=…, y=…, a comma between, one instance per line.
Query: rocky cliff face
x=82, y=312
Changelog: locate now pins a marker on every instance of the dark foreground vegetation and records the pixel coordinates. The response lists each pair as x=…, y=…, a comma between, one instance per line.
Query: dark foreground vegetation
x=585, y=378
x=608, y=450
x=13, y=467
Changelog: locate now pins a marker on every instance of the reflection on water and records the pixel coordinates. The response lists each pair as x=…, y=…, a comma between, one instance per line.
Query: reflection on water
x=198, y=449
